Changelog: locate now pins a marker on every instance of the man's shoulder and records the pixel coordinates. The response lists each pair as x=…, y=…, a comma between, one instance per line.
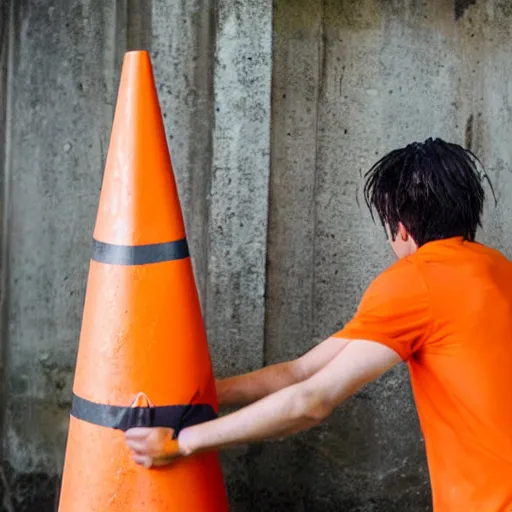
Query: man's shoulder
x=401, y=269
x=453, y=255
x=491, y=252
x=403, y=277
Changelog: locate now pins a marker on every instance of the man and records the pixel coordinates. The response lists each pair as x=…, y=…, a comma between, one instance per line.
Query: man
x=445, y=307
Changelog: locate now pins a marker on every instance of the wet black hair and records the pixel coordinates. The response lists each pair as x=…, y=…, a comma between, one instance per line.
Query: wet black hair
x=434, y=188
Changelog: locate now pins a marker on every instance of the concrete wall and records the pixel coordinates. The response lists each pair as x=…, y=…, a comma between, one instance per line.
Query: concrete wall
x=272, y=111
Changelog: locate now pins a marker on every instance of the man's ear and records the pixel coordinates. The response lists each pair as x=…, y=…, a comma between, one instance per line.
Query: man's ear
x=402, y=232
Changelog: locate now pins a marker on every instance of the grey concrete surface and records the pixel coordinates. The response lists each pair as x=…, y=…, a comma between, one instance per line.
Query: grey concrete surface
x=237, y=232
x=63, y=73
x=273, y=112
x=183, y=66
x=237, y=223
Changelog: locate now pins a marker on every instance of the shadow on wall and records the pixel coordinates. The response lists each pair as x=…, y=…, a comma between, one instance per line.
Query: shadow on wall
x=29, y=492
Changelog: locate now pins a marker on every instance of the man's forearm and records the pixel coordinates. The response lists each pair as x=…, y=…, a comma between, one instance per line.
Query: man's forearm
x=250, y=387
x=294, y=408
x=283, y=413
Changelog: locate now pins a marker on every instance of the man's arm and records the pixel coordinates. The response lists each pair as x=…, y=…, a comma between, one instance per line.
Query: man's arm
x=292, y=409
x=250, y=387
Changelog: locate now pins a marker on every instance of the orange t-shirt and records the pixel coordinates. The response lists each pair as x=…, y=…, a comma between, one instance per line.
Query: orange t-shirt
x=447, y=311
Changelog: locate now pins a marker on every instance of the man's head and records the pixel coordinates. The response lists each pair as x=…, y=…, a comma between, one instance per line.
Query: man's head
x=426, y=191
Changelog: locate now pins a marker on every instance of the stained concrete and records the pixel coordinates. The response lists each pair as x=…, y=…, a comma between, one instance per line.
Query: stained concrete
x=353, y=80
x=237, y=233
x=63, y=73
x=272, y=112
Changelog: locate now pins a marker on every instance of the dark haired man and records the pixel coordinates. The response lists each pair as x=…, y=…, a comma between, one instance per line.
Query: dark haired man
x=445, y=307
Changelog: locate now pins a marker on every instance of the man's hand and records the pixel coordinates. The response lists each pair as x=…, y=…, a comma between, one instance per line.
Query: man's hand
x=153, y=447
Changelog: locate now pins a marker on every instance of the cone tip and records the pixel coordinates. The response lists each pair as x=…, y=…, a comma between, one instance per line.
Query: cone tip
x=136, y=56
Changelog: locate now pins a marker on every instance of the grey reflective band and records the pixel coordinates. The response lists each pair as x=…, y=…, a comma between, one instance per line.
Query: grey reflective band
x=176, y=417
x=103, y=252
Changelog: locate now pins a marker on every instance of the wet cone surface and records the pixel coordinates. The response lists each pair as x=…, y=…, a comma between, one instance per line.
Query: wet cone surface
x=142, y=331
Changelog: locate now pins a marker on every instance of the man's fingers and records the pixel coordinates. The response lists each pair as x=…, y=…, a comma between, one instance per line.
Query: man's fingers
x=138, y=433
x=143, y=460
x=162, y=461
x=139, y=447
x=144, y=448
x=152, y=447
x=152, y=462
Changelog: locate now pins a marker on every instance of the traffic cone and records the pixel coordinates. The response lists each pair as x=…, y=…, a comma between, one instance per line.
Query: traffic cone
x=143, y=357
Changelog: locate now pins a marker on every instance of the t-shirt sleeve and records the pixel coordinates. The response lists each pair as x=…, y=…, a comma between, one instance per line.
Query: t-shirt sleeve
x=394, y=311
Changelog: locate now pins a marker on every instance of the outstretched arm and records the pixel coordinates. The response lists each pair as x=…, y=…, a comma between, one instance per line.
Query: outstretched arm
x=292, y=409
x=250, y=387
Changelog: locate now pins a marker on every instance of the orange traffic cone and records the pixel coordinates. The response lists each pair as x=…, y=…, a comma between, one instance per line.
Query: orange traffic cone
x=142, y=332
